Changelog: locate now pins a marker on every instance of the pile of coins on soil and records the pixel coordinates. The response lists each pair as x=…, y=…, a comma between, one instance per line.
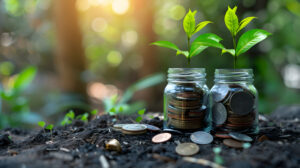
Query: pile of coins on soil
x=234, y=139
x=186, y=107
x=233, y=108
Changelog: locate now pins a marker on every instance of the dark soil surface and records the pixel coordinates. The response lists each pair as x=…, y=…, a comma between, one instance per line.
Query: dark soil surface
x=83, y=144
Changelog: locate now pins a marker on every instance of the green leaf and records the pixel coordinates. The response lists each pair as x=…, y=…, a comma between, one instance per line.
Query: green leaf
x=84, y=117
x=200, y=26
x=166, y=44
x=249, y=39
x=189, y=23
x=230, y=51
x=141, y=112
x=24, y=78
x=139, y=119
x=71, y=114
x=231, y=20
x=203, y=41
x=49, y=127
x=245, y=22
x=42, y=124
x=94, y=112
x=185, y=53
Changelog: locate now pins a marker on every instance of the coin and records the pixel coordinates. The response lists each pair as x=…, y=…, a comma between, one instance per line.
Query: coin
x=240, y=137
x=185, y=124
x=185, y=104
x=133, y=132
x=162, y=137
x=241, y=103
x=114, y=145
x=134, y=127
x=119, y=126
x=172, y=131
x=189, y=96
x=201, y=137
x=152, y=127
x=222, y=135
x=219, y=92
x=187, y=149
x=233, y=143
x=219, y=113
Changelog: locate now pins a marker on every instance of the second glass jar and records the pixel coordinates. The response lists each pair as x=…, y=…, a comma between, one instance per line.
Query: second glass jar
x=186, y=100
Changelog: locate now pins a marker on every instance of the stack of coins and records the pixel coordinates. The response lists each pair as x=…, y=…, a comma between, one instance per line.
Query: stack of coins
x=186, y=109
x=233, y=108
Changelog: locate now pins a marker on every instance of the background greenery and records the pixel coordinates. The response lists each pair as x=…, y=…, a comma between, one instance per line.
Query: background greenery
x=113, y=40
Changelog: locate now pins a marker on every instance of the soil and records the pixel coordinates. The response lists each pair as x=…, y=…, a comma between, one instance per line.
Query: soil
x=83, y=144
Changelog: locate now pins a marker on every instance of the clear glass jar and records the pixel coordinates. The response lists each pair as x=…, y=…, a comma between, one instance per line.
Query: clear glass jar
x=235, y=99
x=186, y=99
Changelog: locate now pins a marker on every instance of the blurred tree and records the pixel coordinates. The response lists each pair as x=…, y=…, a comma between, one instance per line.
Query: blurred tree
x=70, y=57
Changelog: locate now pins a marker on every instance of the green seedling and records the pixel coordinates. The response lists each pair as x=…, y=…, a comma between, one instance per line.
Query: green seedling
x=199, y=44
x=50, y=128
x=247, y=40
x=140, y=117
x=218, y=158
x=94, y=112
x=68, y=119
x=84, y=117
x=42, y=124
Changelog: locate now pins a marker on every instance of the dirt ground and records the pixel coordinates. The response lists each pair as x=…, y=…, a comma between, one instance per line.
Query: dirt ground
x=83, y=145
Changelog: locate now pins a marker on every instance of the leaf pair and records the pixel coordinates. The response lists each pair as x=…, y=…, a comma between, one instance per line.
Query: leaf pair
x=189, y=24
x=199, y=44
x=232, y=21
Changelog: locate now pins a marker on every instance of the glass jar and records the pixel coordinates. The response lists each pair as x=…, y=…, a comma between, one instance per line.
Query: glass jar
x=234, y=107
x=186, y=99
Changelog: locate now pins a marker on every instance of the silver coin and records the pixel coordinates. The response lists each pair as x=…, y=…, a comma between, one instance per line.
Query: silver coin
x=152, y=127
x=219, y=113
x=172, y=131
x=219, y=92
x=118, y=126
x=240, y=137
x=134, y=127
x=201, y=137
x=241, y=103
x=187, y=149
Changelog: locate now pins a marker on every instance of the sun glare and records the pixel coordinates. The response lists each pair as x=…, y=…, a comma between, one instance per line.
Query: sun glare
x=120, y=6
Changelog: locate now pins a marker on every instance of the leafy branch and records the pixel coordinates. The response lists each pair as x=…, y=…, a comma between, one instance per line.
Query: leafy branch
x=247, y=40
x=199, y=44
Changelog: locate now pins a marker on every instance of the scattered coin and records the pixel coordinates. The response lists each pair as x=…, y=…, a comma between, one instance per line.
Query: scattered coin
x=233, y=143
x=134, y=127
x=219, y=92
x=172, y=131
x=240, y=137
x=133, y=132
x=222, y=135
x=241, y=103
x=219, y=113
x=119, y=126
x=152, y=127
x=201, y=137
x=162, y=137
x=113, y=145
x=187, y=149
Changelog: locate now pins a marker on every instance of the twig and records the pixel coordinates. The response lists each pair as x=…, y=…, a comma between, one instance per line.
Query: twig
x=104, y=162
x=202, y=162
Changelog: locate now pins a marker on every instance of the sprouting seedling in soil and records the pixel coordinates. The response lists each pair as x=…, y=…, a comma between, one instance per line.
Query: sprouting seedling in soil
x=50, y=128
x=68, y=119
x=42, y=124
x=94, y=112
x=199, y=44
x=218, y=158
x=84, y=117
x=140, y=117
x=247, y=40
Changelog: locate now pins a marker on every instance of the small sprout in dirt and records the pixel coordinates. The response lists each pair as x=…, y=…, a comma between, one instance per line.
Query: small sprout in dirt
x=50, y=127
x=140, y=117
x=42, y=124
x=218, y=158
x=68, y=119
x=246, y=145
x=247, y=40
x=94, y=112
x=199, y=44
x=84, y=117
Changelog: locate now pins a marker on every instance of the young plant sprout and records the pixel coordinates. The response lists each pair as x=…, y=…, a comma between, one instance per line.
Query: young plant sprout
x=140, y=117
x=42, y=124
x=199, y=44
x=247, y=40
x=50, y=127
x=69, y=117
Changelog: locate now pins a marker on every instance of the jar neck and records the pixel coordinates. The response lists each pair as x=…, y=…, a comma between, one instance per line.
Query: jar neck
x=186, y=75
x=234, y=76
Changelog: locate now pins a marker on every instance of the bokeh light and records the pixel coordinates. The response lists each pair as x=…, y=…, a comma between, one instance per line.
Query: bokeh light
x=129, y=38
x=120, y=6
x=114, y=58
x=99, y=24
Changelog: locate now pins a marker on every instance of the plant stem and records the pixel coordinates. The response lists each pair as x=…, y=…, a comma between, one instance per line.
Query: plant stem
x=189, y=58
x=235, y=57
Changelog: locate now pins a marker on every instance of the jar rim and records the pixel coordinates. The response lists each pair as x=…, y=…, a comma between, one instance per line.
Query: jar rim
x=184, y=70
